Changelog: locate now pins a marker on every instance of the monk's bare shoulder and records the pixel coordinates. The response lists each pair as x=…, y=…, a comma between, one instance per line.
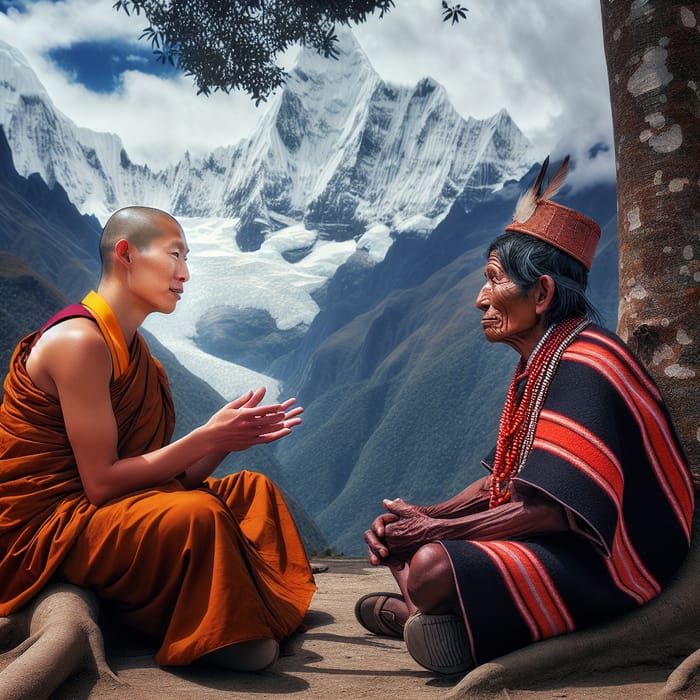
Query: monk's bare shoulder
x=71, y=349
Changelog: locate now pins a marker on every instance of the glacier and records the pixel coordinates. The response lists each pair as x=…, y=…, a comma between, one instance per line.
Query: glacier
x=260, y=279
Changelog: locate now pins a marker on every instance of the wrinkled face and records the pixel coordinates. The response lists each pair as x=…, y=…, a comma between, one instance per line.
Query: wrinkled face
x=508, y=316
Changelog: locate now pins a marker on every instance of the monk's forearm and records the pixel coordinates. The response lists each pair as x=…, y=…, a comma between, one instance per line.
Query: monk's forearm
x=131, y=474
x=195, y=474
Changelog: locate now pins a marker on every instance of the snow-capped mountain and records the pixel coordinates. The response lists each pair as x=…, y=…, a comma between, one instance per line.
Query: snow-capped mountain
x=335, y=256
x=342, y=163
x=92, y=167
x=342, y=151
x=338, y=149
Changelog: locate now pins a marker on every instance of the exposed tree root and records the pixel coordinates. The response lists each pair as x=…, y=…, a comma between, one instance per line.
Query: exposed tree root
x=659, y=634
x=685, y=680
x=51, y=639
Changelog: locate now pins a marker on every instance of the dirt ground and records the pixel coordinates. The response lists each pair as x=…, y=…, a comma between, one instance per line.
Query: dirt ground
x=335, y=658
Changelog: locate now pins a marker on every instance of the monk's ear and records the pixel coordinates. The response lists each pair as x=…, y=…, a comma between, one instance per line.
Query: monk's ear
x=121, y=251
x=544, y=293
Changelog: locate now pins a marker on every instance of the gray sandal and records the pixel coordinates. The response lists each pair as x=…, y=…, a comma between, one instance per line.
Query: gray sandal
x=438, y=643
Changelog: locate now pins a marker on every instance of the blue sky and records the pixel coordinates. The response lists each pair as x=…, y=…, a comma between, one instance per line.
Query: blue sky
x=99, y=65
x=542, y=61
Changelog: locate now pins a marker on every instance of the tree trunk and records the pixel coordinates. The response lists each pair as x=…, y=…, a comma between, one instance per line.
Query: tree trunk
x=652, y=49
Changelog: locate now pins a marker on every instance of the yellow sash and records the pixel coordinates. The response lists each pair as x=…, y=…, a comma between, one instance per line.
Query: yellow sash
x=108, y=324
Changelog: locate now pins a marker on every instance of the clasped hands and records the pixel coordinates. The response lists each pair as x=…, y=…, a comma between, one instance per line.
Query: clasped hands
x=394, y=536
x=244, y=422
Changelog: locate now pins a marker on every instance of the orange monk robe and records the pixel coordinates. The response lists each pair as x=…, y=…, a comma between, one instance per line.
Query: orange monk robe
x=197, y=570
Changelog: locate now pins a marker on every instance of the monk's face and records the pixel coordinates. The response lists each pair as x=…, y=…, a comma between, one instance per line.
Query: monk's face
x=159, y=269
x=509, y=316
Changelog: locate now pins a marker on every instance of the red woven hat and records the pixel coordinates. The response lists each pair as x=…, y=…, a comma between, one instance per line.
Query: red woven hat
x=560, y=226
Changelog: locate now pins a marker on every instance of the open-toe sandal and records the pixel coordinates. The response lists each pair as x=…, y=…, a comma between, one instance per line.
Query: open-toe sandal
x=372, y=614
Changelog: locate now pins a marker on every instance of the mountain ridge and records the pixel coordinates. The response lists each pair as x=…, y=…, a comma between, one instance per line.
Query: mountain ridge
x=405, y=396
x=335, y=172
x=347, y=278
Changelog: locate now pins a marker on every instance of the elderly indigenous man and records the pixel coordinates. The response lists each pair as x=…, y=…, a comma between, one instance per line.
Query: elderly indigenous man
x=587, y=510
x=92, y=491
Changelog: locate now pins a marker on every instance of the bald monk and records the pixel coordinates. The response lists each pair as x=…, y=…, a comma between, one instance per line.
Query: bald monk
x=92, y=491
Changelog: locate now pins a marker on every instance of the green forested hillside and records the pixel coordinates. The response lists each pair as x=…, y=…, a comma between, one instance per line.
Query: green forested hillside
x=405, y=398
x=402, y=394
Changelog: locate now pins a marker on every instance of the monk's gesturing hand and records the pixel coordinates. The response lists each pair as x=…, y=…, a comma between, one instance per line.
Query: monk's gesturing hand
x=245, y=422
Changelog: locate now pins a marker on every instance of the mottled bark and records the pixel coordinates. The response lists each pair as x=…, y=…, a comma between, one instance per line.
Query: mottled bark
x=653, y=54
x=652, y=50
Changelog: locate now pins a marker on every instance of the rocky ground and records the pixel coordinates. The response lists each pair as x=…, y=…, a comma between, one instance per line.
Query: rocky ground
x=334, y=658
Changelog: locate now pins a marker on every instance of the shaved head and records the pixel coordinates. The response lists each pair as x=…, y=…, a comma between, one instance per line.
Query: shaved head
x=137, y=225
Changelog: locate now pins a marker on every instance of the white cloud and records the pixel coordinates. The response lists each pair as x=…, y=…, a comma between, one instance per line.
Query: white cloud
x=543, y=61
x=46, y=25
x=157, y=119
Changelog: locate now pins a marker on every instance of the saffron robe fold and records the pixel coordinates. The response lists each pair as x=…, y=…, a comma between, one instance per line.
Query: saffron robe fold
x=196, y=570
x=605, y=449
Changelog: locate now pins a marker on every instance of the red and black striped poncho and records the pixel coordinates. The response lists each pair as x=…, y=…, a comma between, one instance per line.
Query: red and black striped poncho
x=605, y=449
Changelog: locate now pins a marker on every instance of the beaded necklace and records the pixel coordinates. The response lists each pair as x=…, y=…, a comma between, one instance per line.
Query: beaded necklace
x=516, y=430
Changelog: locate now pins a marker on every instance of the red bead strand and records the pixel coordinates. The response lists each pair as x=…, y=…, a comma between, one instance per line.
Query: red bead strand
x=519, y=418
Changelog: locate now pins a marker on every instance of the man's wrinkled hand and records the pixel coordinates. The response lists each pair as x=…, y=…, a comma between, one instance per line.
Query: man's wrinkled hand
x=410, y=529
x=377, y=550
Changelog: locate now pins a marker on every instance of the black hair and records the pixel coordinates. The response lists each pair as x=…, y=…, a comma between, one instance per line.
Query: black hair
x=526, y=258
